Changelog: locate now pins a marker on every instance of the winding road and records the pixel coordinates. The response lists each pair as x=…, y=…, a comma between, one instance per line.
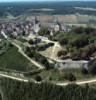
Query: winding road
x=21, y=51
x=59, y=84
x=32, y=61
x=41, y=67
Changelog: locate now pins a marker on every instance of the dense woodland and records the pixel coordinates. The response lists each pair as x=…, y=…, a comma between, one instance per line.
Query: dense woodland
x=14, y=90
x=80, y=42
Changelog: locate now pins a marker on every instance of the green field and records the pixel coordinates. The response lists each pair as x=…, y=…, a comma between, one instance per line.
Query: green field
x=13, y=60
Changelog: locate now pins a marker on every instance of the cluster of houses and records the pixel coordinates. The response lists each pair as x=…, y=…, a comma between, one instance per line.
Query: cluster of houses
x=31, y=27
x=58, y=27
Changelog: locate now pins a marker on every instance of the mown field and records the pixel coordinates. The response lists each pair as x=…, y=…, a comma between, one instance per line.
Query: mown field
x=13, y=60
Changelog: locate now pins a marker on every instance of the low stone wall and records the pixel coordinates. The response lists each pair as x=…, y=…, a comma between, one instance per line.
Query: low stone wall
x=72, y=64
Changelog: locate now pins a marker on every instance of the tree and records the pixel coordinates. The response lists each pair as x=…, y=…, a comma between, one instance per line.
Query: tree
x=44, y=31
x=38, y=78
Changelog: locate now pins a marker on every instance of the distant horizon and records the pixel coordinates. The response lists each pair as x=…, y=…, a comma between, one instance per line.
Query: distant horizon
x=7, y=1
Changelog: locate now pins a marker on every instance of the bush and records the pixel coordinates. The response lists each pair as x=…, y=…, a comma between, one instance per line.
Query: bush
x=70, y=77
x=50, y=44
x=30, y=41
x=79, y=54
x=92, y=67
x=76, y=55
x=61, y=53
x=84, y=71
x=90, y=49
x=63, y=41
x=79, y=42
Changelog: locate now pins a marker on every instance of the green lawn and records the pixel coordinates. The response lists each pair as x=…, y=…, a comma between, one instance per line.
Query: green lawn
x=13, y=60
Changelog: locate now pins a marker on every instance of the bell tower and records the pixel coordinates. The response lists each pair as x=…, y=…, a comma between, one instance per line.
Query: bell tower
x=36, y=25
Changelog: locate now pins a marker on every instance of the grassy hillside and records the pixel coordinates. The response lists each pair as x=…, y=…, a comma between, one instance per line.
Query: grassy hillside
x=12, y=59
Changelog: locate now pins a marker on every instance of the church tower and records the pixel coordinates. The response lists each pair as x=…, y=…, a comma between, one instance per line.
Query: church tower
x=36, y=25
x=57, y=25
